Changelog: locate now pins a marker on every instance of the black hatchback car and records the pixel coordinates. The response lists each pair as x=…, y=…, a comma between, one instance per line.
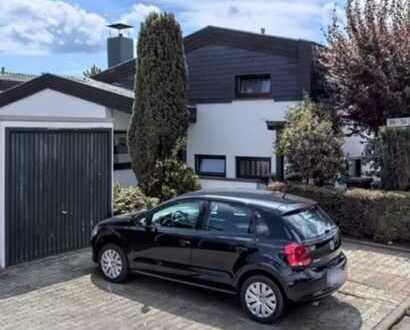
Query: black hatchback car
x=270, y=248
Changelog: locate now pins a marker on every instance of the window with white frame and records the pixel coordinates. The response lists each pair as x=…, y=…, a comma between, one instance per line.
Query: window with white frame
x=210, y=165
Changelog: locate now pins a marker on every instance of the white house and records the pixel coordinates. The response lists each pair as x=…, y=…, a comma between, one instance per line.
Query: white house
x=241, y=85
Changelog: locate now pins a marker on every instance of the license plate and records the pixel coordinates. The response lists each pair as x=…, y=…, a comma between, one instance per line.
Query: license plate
x=336, y=277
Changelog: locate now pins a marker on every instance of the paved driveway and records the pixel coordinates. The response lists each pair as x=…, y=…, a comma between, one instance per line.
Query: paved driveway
x=67, y=292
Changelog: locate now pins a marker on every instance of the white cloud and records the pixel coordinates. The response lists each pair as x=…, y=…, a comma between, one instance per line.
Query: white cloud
x=42, y=26
x=55, y=26
x=137, y=14
x=291, y=18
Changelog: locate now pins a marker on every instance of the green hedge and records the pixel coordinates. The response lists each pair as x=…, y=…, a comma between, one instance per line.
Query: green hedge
x=372, y=214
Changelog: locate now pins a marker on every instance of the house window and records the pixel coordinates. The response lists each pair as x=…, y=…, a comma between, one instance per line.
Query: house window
x=122, y=159
x=209, y=165
x=355, y=167
x=253, y=167
x=254, y=86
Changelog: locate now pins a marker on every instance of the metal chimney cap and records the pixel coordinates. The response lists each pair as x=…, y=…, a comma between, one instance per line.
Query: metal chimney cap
x=120, y=26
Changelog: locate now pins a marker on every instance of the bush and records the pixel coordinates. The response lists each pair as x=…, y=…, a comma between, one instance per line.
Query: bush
x=310, y=144
x=372, y=214
x=171, y=178
x=395, y=171
x=131, y=199
x=372, y=156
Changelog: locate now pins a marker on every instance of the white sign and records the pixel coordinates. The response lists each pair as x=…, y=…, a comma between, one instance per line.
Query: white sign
x=398, y=122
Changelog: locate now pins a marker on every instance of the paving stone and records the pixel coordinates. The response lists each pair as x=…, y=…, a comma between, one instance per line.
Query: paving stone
x=68, y=292
x=404, y=324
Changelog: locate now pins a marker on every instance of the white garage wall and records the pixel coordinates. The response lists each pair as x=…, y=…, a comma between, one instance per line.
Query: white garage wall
x=50, y=103
x=209, y=183
x=235, y=129
x=121, y=119
x=125, y=177
x=3, y=125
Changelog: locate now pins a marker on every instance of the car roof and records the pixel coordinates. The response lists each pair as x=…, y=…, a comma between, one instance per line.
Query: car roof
x=276, y=201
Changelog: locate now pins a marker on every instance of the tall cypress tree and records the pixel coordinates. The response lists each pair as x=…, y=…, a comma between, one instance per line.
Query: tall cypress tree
x=160, y=115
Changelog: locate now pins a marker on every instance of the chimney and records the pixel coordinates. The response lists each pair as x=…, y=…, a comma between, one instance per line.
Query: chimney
x=119, y=48
x=262, y=30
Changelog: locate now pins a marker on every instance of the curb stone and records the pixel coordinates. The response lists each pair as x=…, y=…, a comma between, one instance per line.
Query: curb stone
x=376, y=245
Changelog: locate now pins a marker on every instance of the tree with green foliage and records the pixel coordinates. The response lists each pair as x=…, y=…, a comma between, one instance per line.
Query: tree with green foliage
x=367, y=63
x=310, y=144
x=160, y=114
x=91, y=71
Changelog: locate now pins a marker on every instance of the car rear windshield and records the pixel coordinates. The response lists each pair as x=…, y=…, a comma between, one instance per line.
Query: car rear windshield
x=310, y=223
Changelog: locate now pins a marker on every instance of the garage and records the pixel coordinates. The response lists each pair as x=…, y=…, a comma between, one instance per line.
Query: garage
x=58, y=184
x=56, y=165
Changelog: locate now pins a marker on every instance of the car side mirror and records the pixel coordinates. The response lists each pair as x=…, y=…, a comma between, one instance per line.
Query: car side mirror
x=151, y=227
x=148, y=225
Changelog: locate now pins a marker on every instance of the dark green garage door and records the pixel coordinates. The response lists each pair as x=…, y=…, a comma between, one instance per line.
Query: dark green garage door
x=58, y=186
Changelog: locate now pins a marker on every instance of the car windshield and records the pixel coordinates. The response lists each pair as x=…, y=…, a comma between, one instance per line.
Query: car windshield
x=310, y=223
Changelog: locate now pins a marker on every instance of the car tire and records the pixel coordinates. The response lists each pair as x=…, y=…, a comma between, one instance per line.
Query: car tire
x=113, y=263
x=262, y=299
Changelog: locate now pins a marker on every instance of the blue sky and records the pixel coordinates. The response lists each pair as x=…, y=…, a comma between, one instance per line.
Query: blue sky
x=68, y=36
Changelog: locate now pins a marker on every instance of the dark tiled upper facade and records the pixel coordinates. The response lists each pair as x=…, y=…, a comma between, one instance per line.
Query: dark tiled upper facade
x=217, y=56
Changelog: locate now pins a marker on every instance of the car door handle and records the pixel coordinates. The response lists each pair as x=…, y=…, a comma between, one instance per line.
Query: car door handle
x=184, y=242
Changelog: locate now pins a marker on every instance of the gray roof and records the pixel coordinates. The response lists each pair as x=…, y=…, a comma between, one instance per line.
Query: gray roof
x=101, y=85
x=14, y=76
x=85, y=88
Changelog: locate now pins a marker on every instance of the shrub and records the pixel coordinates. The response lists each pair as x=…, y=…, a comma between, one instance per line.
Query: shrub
x=372, y=214
x=173, y=177
x=373, y=152
x=310, y=145
x=395, y=172
x=131, y=199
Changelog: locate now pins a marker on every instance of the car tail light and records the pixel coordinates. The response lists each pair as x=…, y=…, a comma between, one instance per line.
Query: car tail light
x=297, y=255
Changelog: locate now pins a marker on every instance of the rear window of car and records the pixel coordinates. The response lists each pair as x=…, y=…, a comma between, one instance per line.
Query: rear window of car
x=310, y=223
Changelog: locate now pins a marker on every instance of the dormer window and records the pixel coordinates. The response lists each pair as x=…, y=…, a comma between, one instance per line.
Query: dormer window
x=254, y=86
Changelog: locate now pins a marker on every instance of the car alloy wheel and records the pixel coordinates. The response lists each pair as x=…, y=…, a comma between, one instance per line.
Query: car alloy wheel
x=111, y=264
x=260, y=300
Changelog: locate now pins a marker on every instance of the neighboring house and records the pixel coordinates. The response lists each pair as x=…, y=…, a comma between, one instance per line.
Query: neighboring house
x=241, y=85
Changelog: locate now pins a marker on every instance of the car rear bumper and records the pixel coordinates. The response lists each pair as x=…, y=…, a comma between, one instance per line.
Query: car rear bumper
x=312, y=284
